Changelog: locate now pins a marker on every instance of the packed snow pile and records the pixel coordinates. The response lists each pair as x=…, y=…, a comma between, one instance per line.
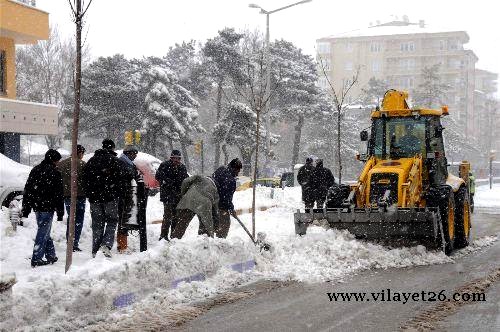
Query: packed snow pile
x=12, y=174
x=94, y=288
x=486, y=197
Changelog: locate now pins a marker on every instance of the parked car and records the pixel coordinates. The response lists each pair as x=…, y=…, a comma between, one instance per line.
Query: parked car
x=13, y=177
x=245, y=182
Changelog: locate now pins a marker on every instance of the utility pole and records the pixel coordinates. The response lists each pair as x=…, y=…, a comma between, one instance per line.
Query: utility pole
x=267, y=98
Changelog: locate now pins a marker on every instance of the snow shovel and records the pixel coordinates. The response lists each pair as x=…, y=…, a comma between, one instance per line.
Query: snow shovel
x=260, y=242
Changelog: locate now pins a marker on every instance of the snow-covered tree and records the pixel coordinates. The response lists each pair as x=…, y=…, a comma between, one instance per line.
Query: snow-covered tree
x=171, y=111
x=186, y=61
x=237, y=128
x=110, y=102
x=373, y=92
x=297, y=94
x=431, y=92
x=223, y=63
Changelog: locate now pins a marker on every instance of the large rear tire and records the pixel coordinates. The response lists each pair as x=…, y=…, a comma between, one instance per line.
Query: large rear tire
x=447, y=211
x=462, y=218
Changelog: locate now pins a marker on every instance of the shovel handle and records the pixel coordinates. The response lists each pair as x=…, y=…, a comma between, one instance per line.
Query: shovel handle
x=244, y=227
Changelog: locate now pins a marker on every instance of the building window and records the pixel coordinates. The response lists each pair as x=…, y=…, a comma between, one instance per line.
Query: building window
x=453, y=44
x=323, y=48
x=3, y=73
x=348, y=65
x=375, y=47
x=376, y=65
x=348, y=47
x=407, y=64
x=325, y=64
x=442, y=45
x=407, y=46
x=322, y=82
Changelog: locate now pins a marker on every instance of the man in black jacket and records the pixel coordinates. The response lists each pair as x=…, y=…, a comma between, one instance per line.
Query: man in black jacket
x=127, y=200
x=43, y=193
x=170, y=175
x=103, y=187
x=225, y=180
x=321, y=179
x=304, y=179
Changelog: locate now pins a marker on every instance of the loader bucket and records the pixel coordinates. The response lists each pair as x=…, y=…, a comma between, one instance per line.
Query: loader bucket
x=421, y=224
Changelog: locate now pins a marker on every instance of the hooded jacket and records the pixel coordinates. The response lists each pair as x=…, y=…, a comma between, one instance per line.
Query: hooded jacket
x=102, y=177
x=321, y=179
x=170, y=178
x=43, y=191
x=226, y=186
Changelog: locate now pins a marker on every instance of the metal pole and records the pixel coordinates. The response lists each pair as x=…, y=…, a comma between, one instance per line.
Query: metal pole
x=202, y=161
x=491, y=170
x=268, y=97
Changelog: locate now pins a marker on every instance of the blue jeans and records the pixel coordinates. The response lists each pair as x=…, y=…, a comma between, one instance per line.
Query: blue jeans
x=79, y=215
x=43, y=242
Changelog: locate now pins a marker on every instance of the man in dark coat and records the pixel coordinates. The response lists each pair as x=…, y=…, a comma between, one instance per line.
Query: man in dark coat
x=170, y=175
x=304, y=179
x=321, y=179
x=65, y=167
x=129, y=174
x=225, y=180
x=43, y=193
x=103, y=187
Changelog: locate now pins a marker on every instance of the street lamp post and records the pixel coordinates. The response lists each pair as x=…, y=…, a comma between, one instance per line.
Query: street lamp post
x=267, y=108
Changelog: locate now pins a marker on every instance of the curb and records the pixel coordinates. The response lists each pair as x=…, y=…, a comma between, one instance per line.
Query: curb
x=127, y=299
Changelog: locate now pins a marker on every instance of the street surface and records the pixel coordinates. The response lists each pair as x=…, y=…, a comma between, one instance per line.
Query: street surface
x=306, y=307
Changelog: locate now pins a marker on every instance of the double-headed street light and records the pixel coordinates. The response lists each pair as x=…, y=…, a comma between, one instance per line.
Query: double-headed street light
x=268, y=73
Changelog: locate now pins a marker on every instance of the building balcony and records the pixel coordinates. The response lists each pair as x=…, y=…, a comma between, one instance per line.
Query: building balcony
x=28, y=118
x=23, y=23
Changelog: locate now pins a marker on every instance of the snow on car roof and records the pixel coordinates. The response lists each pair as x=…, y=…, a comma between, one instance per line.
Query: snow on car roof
x=12, y=174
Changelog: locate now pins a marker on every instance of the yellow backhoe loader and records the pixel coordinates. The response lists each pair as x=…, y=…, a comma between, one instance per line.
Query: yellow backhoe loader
x=404, y=190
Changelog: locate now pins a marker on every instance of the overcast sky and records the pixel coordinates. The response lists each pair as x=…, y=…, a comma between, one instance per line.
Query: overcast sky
x=148, y=27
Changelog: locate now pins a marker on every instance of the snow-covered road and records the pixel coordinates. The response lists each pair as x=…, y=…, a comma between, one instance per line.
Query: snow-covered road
x=94, y=289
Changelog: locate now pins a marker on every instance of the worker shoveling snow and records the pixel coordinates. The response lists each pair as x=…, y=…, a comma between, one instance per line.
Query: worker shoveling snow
x=182, y=271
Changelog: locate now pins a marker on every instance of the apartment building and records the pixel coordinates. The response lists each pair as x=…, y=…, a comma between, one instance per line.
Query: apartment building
x=486, y=108
x=396, y=52
x=20, y=23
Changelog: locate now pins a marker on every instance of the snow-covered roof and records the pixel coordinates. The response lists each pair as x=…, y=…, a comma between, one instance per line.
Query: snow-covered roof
x=395, y=28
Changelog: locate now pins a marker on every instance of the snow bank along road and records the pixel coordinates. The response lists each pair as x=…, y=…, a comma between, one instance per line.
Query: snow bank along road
x=172, y=283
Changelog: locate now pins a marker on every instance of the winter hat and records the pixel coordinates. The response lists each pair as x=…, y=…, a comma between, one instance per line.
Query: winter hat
x=52, y=155
x=319, y=162
x=130, y=148
x=175, y=153
x=108, y=144
x=80, y=149
x=309, y=160
x=236, y=164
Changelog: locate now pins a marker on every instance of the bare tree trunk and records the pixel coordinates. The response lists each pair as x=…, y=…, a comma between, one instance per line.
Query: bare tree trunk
x=246, y=156
x=257, y=134
x=74, y=134
x=217, y=118
x=226, y=154
x=339, y=116
x=296, y=141
x=185, y=155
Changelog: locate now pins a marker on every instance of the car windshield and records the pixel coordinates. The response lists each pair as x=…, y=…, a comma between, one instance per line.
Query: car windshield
x=404, y=137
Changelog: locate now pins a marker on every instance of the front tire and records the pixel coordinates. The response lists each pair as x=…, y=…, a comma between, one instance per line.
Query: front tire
x=447, y=211
x=463, y=218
